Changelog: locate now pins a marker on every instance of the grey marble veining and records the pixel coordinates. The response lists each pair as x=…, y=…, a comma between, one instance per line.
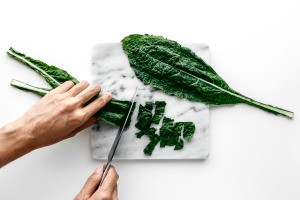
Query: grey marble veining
x=111, y=70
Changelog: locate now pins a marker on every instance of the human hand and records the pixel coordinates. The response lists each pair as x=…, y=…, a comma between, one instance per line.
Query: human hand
x=107, y=191
x=61, y=113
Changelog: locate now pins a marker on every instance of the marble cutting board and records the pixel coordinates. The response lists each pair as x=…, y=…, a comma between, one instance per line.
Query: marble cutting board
x=111, y=70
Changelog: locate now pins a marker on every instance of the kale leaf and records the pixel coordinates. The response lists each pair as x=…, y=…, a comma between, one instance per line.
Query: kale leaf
x=177, y=70
x=113, y=113
x=53, y=75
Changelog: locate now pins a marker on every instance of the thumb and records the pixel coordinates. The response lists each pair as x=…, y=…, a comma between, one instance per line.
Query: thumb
x=90, y=185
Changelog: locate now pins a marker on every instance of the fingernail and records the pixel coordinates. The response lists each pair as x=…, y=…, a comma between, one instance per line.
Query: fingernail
x=98, y=170
x=69, y=82
x=83, y=82
x=107, y=94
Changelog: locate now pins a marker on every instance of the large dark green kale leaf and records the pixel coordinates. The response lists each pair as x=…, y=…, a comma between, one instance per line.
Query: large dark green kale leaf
x=177, y=70
x=113, y=113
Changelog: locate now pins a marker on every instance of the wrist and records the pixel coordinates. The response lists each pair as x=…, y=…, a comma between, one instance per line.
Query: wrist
x=22, y=135
x=15, y=142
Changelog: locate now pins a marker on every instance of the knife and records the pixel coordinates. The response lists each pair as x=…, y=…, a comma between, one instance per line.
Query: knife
x=117, y=139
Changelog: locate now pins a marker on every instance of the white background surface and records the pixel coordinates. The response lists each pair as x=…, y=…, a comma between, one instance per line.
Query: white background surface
x=255, y=47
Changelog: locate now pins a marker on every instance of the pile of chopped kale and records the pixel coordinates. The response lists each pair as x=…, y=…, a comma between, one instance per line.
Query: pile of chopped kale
x=170, y=133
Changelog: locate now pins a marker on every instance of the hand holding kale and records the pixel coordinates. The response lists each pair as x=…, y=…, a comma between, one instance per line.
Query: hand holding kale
x=60, y=114
x=114, y=113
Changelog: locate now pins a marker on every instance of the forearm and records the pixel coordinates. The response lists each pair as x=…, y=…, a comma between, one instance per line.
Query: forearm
x=14, y=142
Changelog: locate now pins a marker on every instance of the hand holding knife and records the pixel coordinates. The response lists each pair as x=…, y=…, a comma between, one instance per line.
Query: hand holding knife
x=117, y=139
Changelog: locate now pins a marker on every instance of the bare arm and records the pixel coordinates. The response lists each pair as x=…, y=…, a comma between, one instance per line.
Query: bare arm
x=13, y=143
x=59, y=115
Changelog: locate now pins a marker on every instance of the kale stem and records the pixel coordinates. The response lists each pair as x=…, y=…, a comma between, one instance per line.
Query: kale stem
x=270, y=108
x=26, y=87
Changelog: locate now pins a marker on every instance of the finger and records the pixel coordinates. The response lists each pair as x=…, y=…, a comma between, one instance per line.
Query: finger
x=110, y=180
x=90, y=185
x=97, y=104
x=87, y=94
x=105, y=191
x=78, y=88
x=115, y=193
x=88, y=123
x=66, y=86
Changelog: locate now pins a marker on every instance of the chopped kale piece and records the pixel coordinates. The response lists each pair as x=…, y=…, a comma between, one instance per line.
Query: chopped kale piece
x=150, y=147
x=178, y=127
x=140, y=134
x=150, y=132
x=144, y=118
x=170, y=133
x=179, y=145
x=159, y=111
x=167, y=126
x=166, y=131
x=149, y=105
x=173, y=138
x=189, y=130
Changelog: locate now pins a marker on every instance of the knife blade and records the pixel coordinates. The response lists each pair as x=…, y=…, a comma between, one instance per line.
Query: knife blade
x=117, y=139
